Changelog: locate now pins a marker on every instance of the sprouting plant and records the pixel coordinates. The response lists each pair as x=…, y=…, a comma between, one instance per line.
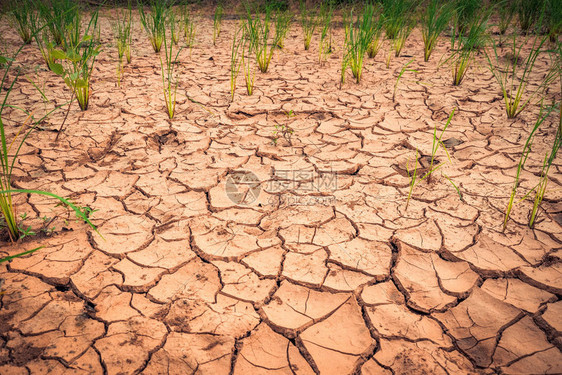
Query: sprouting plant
x=22, y=16
x=154, y=22
x=308, y=23
x=513, y=71
x=188, y=26
x=325, y=22
x=169, y=80
x=358, y=36
x=283, y=20
x=284, y=131
x=436, y=145
x=238, y=44
x=434, y=21
x=77, y=61
x=402, y=71
x=465, y=45
x=9, y=153
x=217, y=21
x=523, y=159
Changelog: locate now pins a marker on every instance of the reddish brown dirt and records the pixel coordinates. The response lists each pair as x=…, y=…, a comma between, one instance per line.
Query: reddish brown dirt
x=185, y=280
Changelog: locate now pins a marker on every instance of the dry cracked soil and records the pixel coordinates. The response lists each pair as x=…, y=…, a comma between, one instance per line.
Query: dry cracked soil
x=308, y=262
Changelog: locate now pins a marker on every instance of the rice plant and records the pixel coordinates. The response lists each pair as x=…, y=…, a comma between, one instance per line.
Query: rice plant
x=529, y=12
x=522, y=160
x=9, y=153
x=325, y=22
x=513, y=73
x=57, y=15
x=465, y=45
x=506, y=12
x=169, y=79
x=396, y=15
x=540, y=189
x=554, y=19
x=154, y=22
x=44, y=40
x=283, y=20
x=358, y=36
x=122, y=32
x=465, y=13
x=402, y=71
x=436, y=145
x=238, y=44
x=249, y=74
x=376, y=41
x=188, y=26
x=174, y=27
x=217, y=21
x=21, y=16
x=434, y=21
x=308, y=23
x=77, y=61
x=257, y=31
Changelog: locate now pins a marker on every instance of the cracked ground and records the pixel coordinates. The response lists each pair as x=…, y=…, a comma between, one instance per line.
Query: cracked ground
x=332, y=279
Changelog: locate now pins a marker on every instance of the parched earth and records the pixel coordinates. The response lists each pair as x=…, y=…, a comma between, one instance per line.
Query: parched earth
x=308, y=262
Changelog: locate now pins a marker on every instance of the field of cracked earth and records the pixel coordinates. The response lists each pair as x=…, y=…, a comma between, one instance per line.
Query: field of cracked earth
x=221, y=252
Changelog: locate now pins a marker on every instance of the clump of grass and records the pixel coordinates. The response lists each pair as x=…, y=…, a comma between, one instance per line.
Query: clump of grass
x=169, y=79
x=154, y=22
x=529, y=12
x=308, y=23
x=554, y=19
x=434, y=21
x=57, y=15
x=465, y=45
x=173, y=26
x=376, y=40
x=257, y=31
x=358, y=36
x=122, y=31
x=283, y=21
x=77, y=60
x=9, y=153
x=217, y=21
x=238, y=44
x=465, y=13
x=249, y=74
x=396, y=16
x=44, y=40
x=325, y=22
x=513, y=72
x=22, y=17
x=506, y=12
